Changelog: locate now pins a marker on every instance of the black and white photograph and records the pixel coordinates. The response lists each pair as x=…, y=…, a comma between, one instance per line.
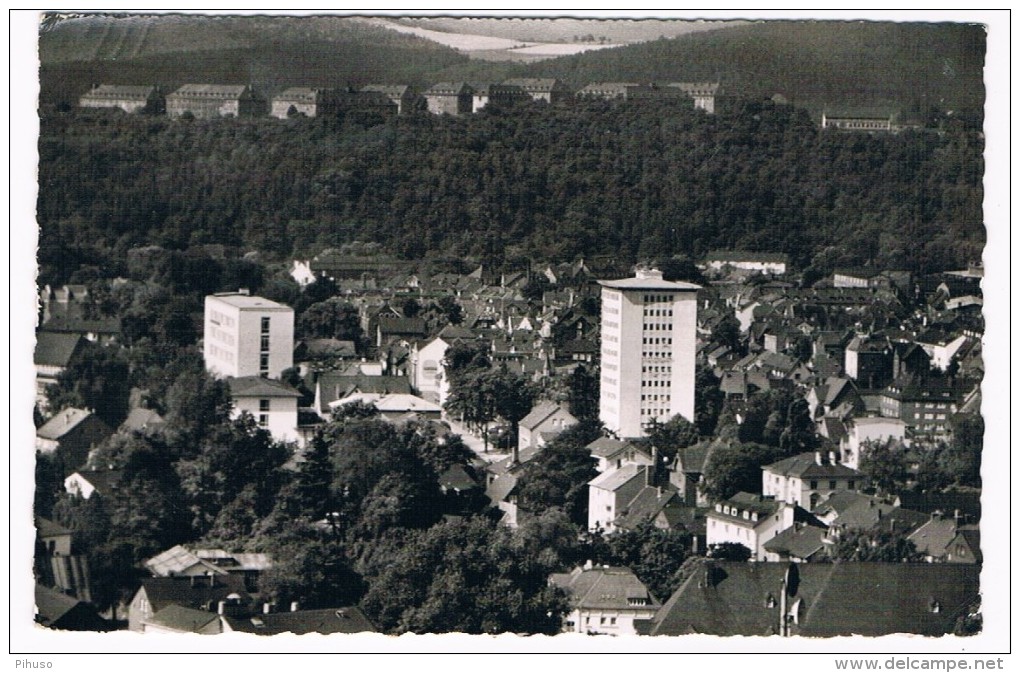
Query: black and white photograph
x=511, y=332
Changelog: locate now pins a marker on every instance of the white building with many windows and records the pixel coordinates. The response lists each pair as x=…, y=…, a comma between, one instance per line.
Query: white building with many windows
x=648, y=347
x=273, y=405
x=247, y=336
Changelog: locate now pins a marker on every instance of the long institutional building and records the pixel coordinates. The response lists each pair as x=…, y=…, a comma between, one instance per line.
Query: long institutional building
x=648, y=347
x=247, y=336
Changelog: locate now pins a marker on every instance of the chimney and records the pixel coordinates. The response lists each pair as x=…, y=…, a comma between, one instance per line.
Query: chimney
x=294, y=606
x=588, y=564
x=515, y=456
x=818, y=458
x=267, y=608
x=832, y=458
x=221, y=608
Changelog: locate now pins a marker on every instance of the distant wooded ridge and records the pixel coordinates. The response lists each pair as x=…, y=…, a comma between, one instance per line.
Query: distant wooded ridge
x=908, y=66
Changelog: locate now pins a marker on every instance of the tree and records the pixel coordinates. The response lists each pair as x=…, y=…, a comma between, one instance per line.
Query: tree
x=310, y=569
x=961, y=458
x=558, y=475
x=708, y=401
x=513, y=397
x=654, y=554
x=871, y=546
x=729, y=551
x=465, y=576
x=885, y=463
x=410, y=307
x=450, y=309
x=196, y=402
x=675, y=434
x=726, y=332
x=584, y=393
x=734, y=467
x=98, y=380
x=799, y=434
x=334, y=318
x=233, y=457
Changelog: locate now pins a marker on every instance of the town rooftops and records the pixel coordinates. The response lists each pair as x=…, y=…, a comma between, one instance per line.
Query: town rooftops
x=731, y=598
x=388, y=89
x=48, y=528
x=603, y=447
x=246, y=301
x=808, y=465
x=299, y=622
x=603, y=588
x=649, y=279
x=176, y=560
x=257, y=386
x=534, y=84
x=614, y=479
x=390, y=403
x=797, y=541
x=56, y=350
x=140, y=419
x=300, y=93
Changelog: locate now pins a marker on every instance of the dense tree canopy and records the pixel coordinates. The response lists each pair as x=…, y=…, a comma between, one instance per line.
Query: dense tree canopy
x=649, y=181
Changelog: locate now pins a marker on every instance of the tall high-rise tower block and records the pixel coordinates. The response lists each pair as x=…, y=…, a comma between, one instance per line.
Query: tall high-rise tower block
x=648, y=345
x=247, y=336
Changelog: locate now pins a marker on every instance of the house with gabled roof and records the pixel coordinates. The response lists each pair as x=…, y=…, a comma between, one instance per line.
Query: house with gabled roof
x=545, y=417
x=748, y=519
x=84, y=483
x=550, y=90
x=400, y=95
x=800, y=543
x=54, y=352
x=808, y=478
x=195, y=592
x=71, y=434
x=614, y=453
x=942, y=539
x=212, y=101
x=604, y=600
x=273, y=404
x=333, y=386
x=129, y=98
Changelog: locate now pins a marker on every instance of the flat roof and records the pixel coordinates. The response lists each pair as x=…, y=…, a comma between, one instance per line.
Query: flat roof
x=248, y=301
x=649, y=284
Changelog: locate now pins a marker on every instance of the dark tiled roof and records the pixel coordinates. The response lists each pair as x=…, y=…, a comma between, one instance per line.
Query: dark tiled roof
x=192, y=592
x=869, y=599
x=539, y=414
x=185, y=620
x=141, y=419
x=103, y=481
x=797, y=541
x=62, y=423
x=805, y=465
x=602, y=588
x=257, y=386
x=48, y=528
x=54, y=349
x=325, y=621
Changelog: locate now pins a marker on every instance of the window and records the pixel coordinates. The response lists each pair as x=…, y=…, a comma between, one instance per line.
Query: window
x=265, y=325
x=263, y=420
x=265, y=343
x=263, y=405
x=814, y=484
x=832, y=484
x=612, y=621
x=850, y=484
x=264, y=362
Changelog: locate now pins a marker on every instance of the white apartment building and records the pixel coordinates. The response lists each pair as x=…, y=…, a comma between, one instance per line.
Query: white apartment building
x=648, y=346
x=247, y=336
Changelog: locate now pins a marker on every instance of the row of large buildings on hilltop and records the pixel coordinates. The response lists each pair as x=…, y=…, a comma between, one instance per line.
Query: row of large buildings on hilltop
x=454, y=98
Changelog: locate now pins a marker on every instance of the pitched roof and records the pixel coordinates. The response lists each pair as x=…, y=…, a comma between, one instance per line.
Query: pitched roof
x=62, y=423
x=183, y=619
x=192, y=592
x=797, y=541
x=614, y=479
x=604, y=447
x=448, y=89
x=390, y=403
x=745, y=255
x=47, y=528
x=103, y=481
x=399, y=325
x=934, y=536
x=257, y=386
x=539, y=413
x=334, y=386
x=869, y=599
x=806, y=465
x=176, y=560
x=647, y=504
x=325, y=621
x=121, y=91
x=603, y=588
x=54, y=349
x=211, y=90
x=141, y=419
x=60, y=611
x=74, y=325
